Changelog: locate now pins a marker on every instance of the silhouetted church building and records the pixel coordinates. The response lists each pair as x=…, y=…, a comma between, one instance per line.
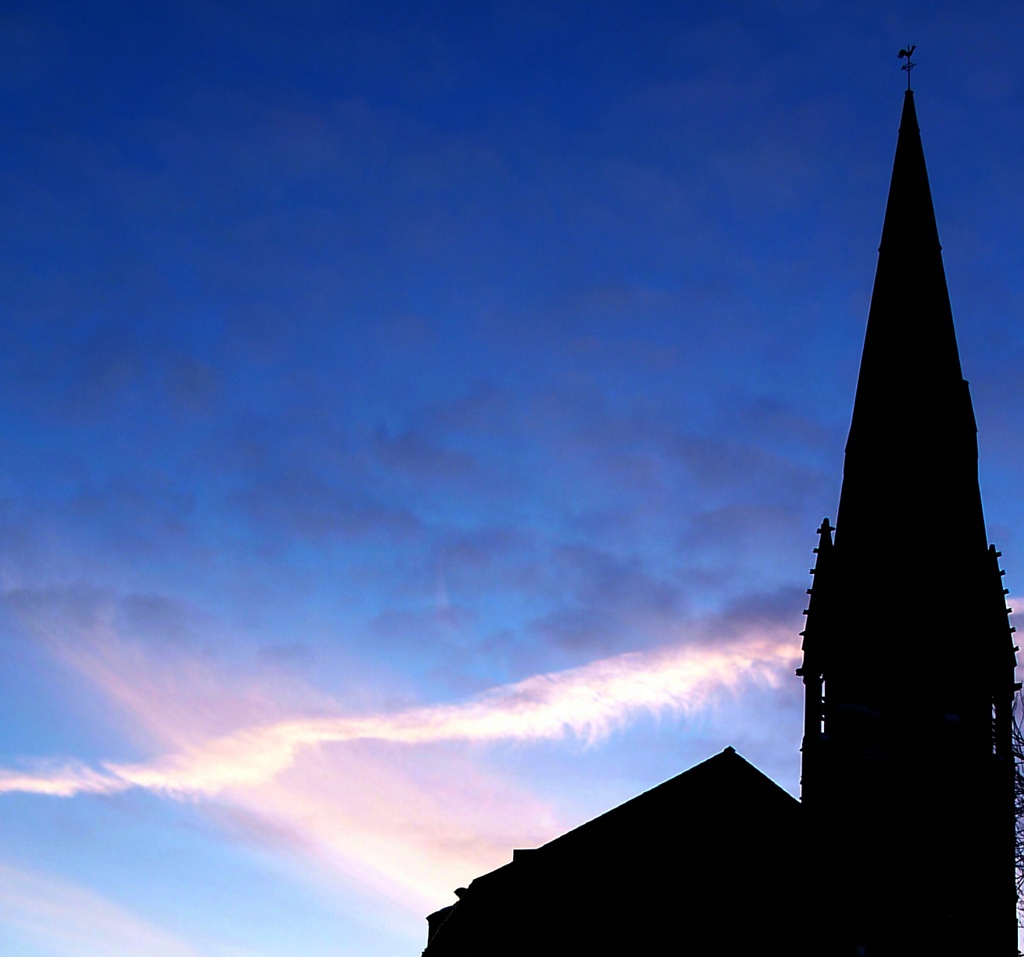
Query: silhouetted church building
x=903, y=840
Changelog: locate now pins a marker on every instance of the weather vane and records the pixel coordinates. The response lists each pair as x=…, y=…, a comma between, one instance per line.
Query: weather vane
x=909, y=65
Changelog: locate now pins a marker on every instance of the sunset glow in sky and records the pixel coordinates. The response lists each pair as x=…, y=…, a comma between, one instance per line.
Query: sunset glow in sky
x=415, y=420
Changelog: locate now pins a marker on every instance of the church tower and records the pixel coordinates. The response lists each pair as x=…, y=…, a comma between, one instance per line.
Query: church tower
x=907, y=776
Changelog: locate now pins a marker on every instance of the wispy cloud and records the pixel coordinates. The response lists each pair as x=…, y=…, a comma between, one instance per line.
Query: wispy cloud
x=583, y=703
x=403, y=802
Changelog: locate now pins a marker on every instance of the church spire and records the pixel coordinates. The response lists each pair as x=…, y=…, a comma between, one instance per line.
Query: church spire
x=910, y=355
x=912, y=448
x=908, y=658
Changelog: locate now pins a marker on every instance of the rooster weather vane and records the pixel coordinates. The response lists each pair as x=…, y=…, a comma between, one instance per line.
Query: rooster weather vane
x=907, y=52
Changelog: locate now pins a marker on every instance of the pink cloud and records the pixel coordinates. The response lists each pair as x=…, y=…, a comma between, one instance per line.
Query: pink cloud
x=583, y=703
x=399, y=803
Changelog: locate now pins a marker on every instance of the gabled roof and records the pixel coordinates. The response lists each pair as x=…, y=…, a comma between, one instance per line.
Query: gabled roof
x=711, y=795
x=683, y=851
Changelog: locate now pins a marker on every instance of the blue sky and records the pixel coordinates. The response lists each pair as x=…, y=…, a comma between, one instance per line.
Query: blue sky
x=414, y=423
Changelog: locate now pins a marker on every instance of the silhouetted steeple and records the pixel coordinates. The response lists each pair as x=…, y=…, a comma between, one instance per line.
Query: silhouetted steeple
x=912, y=414
x=908, y=658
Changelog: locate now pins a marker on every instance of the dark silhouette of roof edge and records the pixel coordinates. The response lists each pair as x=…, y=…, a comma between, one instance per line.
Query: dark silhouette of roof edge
x=706, y=810
x=709, y=777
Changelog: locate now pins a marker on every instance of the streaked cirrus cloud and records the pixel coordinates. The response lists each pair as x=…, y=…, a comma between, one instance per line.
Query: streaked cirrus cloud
x=583, y=703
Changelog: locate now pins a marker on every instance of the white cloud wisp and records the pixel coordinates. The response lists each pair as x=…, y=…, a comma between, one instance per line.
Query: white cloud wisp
x=583, y=703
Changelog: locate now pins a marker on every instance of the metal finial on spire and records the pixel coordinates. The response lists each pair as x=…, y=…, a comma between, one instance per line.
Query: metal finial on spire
x=909, y=65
